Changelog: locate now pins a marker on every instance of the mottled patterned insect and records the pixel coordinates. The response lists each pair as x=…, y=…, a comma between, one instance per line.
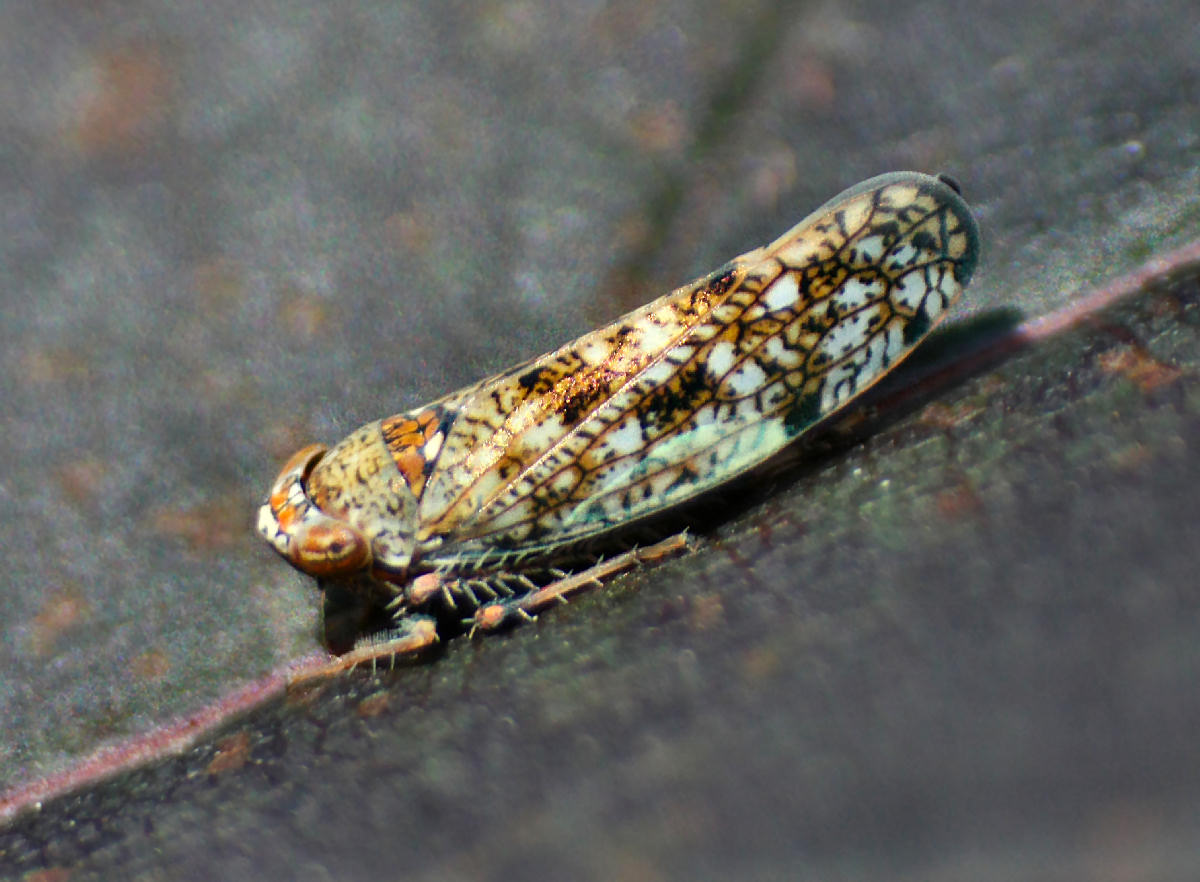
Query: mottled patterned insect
x=468, y=503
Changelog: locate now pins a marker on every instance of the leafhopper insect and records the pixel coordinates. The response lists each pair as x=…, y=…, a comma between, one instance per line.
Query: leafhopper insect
x=469, y=504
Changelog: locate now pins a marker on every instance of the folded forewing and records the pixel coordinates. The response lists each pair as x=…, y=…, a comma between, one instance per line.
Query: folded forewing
x=704, y=383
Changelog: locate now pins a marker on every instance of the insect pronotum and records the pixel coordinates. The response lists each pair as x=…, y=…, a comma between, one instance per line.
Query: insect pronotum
x=467, y=504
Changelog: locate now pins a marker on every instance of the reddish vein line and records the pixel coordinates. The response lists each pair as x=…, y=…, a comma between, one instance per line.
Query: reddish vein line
x=174, y=737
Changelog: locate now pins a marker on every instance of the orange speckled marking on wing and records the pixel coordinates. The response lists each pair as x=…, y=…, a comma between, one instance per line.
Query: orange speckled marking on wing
x=414, y=442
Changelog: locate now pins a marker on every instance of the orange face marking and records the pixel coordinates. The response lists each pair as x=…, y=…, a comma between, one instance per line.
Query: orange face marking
x=278, y=498
x=287, y=516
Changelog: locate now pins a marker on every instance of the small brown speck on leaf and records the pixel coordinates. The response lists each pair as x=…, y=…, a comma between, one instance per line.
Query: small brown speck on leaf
x=758, y=663
x=373, y=705
x=128, y=102
x=410, y=230
x=1139, y=366
x=49, y=874
x=948, y=416
x=232, y=753
x=705, y=611
x=1132, y=458
x=81, y=480
x=42, y=364
x=218, y=523
x=809, y=82
x=219, y=284
x=661, y=128
x=303, y=315
x=959, y=500
x=63, y=608
x=153, y=664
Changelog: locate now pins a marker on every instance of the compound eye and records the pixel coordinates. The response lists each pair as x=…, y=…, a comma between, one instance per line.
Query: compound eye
x=329, y=548
x=294, y=470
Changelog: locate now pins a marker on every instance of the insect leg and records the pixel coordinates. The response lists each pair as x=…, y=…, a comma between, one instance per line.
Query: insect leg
x=412, y=635
x=505, y=613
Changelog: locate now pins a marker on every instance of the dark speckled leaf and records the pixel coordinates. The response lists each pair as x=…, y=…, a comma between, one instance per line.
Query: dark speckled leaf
x=959, y=640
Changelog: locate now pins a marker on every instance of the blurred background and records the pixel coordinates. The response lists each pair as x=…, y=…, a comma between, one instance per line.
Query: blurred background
x=961, y=642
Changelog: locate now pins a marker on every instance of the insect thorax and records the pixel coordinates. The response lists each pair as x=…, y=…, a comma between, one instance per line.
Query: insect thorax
x=357, y=481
